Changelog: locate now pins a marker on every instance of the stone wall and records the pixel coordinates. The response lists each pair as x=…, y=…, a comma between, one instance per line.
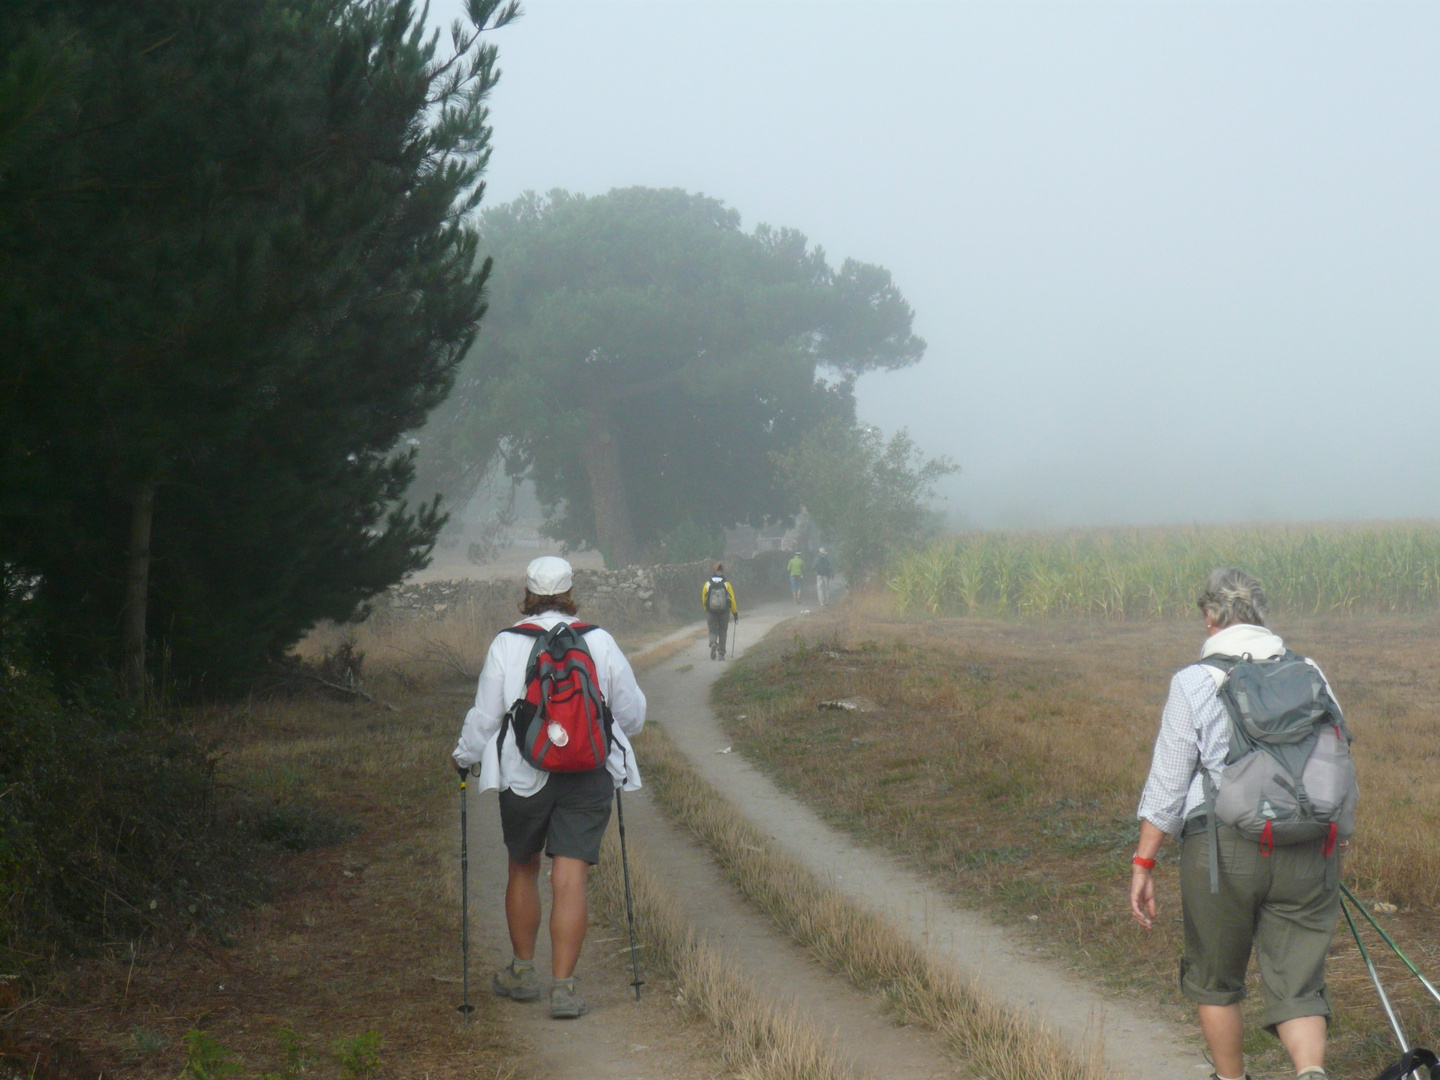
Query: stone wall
x=627, y=597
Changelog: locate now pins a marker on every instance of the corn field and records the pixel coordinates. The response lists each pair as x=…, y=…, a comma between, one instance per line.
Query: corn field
x=1158, y=573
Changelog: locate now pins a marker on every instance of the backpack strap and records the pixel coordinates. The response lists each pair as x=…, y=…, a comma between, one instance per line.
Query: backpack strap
x=533, y=631
x=1224, y=664
x=1212, y=828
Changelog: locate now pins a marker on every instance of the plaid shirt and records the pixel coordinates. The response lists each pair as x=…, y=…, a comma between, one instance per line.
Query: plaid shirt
x=1194, y=731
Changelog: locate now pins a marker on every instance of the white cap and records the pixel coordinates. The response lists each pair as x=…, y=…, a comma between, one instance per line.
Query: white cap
x=548, y=575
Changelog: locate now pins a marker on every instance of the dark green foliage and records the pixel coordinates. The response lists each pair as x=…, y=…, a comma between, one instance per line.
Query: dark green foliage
x=688, y=542
x=361, y=1055
x=644, y=357
x=299, y=826
x=205, y=1059
x=107, y=826
x=234, y=266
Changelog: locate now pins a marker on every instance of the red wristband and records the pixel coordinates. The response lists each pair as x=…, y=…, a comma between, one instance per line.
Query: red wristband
x=1148, y=864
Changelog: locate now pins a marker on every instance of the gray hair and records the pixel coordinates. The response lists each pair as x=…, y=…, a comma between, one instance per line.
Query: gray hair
x=1233, y=596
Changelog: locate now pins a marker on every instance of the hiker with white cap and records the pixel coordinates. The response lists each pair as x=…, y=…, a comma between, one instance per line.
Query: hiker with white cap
x=555, y=709
x=824, y=571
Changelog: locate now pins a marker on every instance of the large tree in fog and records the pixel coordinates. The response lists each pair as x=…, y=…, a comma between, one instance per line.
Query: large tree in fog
x=644, y=358
x=235, y=267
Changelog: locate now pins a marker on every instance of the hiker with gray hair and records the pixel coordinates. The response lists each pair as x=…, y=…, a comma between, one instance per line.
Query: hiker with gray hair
x=1252, y=772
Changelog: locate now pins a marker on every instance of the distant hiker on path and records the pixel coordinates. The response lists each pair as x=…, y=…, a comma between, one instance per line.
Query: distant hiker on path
x=796, y=569
x=718, y=599
x=541, y=732
x=823, y=573
x=1252, y=770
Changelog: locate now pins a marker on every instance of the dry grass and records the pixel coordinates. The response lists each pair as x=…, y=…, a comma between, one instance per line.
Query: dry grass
x=356, y=935
x=866, y=948
x=417, y=652
x=760, y=1039
x=411, y=651
x=1006, y=759
x=662, y=651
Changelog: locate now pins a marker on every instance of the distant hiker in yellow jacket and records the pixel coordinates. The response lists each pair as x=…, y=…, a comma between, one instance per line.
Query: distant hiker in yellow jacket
x=796, y=569
x=718, y=600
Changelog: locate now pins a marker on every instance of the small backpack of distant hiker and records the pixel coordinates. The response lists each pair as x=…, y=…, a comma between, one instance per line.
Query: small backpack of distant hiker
x=562, y=723
x=1288, y=776
x=717, y=597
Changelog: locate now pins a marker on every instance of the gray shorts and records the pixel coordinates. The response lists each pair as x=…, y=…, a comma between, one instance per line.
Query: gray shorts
x=566, y=817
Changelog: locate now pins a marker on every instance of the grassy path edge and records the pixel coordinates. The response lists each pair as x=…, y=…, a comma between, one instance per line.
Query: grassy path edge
x=866, y=948
x=759, y=1038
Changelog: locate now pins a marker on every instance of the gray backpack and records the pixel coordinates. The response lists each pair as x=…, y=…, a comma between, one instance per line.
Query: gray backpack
x=717, y=598
x=1288, y=776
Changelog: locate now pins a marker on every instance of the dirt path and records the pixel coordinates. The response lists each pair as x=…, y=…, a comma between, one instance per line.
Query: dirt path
x=1134, y=1044
x=620, y=1039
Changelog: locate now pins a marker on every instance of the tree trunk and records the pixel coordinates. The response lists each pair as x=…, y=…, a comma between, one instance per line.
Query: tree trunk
x=137, y=590
x=607, y=491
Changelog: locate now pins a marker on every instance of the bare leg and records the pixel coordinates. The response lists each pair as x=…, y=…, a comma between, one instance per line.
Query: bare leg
x=568, y=914
x=522, y=906
x=1224, y=1030
x=1304, y=1041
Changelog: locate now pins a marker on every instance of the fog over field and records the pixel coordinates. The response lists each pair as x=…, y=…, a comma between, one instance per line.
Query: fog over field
x=1173, y=262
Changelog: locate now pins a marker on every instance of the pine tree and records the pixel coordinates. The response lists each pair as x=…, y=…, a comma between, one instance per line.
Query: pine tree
x=645, y=358
x=233, y=278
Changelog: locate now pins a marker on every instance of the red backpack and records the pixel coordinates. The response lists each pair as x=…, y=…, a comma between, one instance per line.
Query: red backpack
x=562, y=724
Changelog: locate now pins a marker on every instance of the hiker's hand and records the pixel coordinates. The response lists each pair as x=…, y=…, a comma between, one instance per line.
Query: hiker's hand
x=1142, y=896
x=737, y=616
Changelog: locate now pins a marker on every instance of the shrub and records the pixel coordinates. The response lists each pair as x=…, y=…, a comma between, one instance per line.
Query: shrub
x=107, y=824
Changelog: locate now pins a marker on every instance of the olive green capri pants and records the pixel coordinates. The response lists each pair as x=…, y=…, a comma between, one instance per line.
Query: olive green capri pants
x=1279, y=903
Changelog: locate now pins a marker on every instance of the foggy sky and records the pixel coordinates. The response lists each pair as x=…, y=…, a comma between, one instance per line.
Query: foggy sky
x=1174, y=262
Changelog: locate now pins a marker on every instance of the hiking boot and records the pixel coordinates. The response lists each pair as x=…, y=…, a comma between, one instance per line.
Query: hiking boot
x=1216, y=1076
x=517, y=981
x=565, y=1003
x=712, y=652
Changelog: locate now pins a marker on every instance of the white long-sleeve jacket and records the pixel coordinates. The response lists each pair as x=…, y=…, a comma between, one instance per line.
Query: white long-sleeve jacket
x=502, y=682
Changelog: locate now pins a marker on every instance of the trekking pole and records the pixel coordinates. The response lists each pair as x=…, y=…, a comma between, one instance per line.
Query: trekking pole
x=465, y=1008
x=1375, y=978
x=1390, y=941
x=636, y=981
